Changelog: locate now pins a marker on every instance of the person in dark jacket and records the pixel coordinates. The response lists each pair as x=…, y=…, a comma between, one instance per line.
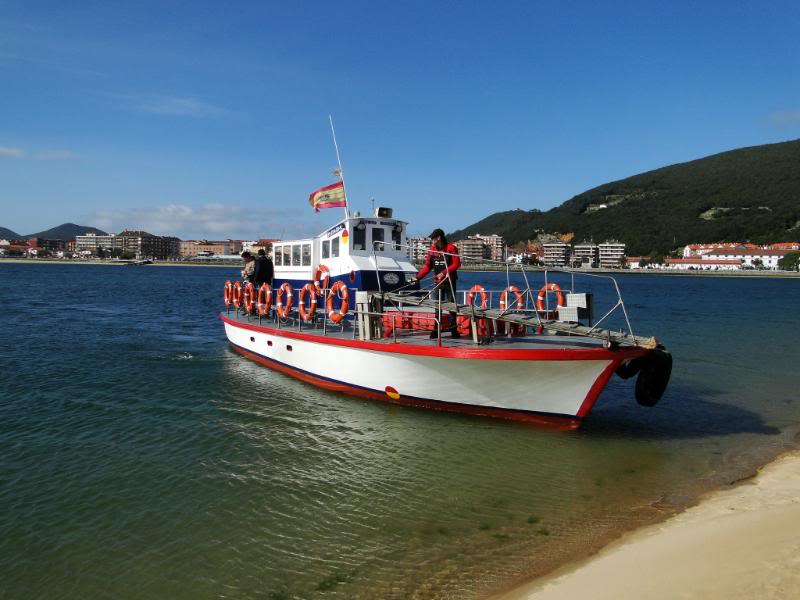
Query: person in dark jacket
x=264, y=271
x=442, y=258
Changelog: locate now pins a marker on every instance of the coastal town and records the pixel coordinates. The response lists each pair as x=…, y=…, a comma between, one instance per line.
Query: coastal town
x=551, y=251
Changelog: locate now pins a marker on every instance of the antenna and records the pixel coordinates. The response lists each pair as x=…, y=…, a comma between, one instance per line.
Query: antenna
x=339, y=172
x=373, y=205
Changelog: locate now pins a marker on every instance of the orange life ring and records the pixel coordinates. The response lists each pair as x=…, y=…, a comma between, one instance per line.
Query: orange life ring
x=482, y=324
x=308, y=289
x=237, y=294
x=227, y=294
x=264, y=302
x=339, y=289
x=325, y=282
x=249, y=297
x=517, y=304
x=478, y=289
x=550, y=287
x=281, y=308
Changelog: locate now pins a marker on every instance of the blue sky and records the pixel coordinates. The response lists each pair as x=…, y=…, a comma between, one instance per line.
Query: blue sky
x=210, y=119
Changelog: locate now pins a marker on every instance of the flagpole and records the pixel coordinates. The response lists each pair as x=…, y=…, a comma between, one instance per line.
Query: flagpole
x=341, y=172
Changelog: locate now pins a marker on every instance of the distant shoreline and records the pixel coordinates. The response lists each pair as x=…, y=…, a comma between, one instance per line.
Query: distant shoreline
x=513, y=269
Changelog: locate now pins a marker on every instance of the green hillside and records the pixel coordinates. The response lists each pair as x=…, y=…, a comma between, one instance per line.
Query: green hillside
x=67, y=231
x=746, y=194
x=7, y=234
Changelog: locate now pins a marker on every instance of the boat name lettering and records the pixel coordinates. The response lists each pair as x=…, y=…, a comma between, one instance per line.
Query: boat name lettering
x=333, y=230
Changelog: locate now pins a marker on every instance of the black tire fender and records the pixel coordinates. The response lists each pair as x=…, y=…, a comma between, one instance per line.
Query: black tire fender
x=629, y=368
x=654, y=377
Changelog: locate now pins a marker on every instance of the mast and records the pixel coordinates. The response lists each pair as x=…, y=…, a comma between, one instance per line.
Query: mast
x=339, y=172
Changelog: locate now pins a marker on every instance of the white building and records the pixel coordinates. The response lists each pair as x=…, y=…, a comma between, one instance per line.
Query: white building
x=767, y=259
x=611, y=255
x=586, y=254
x=556, y=254
x=418, y=248
x=701, y=264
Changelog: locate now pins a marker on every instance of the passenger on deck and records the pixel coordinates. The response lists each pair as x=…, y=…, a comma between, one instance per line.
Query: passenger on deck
x=264, y=270
x=442, y=258
x=248, y=272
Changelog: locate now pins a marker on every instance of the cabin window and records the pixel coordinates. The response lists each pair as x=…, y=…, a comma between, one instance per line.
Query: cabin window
x=360, y=237
x=306, y=255
x=397, y=232
x=326, y=249
x=278, y=252
x=377, y=236
x=335, y=247
x=296, y=255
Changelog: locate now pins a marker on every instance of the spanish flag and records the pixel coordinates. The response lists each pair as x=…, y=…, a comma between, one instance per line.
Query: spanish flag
x=330, y=196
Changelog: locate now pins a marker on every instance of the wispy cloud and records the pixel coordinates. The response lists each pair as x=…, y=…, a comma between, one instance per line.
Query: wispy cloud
x=208, y=221
x=785, y=117
x=176, y=106
x=9, y=152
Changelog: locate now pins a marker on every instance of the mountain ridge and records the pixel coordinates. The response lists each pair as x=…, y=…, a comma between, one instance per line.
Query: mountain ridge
x=66, y=232
x=746, y=194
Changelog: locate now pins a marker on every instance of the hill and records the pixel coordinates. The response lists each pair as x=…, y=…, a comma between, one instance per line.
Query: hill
x=67, y=231
x=7, y=234
x=746, y=194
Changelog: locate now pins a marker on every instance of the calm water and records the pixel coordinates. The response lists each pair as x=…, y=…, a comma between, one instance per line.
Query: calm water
x=141, y=458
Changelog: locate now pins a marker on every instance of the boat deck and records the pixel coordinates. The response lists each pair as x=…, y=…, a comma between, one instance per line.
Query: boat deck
x=417, y=338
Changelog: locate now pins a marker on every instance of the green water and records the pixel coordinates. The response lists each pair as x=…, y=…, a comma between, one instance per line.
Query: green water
x=141, y=458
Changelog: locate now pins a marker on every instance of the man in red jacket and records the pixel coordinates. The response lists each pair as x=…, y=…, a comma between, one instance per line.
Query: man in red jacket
x=442, y=258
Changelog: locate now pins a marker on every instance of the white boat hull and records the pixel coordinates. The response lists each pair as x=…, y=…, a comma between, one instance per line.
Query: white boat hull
x=548, y=385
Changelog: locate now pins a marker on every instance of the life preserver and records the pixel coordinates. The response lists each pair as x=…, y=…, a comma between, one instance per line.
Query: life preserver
x=325, y=282
x=550, y=287
x=308, y=289
x=482, y=324
x=237, y=294
x=227, y=294
x=249, y=297
x=339, y=290
x=281, y=308
x=478, y=289
x=264, y=302
x=517, y=304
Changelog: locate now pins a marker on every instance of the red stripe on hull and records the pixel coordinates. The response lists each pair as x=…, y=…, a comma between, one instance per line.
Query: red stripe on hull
x=558, y=422
x=617, y=354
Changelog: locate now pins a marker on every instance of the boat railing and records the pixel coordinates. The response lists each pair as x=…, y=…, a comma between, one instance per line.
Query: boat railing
x=530, y=293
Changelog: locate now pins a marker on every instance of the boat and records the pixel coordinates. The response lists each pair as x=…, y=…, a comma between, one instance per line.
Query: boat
x=346, y=314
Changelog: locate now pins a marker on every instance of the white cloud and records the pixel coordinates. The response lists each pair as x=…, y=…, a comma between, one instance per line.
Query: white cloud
x=8, y=152
x=178, y=106
x=785, y=117
x=209, y=221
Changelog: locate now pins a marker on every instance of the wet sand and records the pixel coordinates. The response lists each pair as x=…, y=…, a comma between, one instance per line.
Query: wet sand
x=741, y=542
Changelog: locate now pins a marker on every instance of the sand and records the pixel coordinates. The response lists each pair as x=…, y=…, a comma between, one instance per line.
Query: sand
x=741, y=542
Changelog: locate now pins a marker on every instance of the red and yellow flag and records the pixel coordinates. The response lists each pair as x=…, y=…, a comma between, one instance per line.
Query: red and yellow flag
x=330, y=196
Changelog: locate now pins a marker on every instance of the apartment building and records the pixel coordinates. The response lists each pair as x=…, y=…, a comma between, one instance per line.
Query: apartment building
x=556, y=254
x=611, y=255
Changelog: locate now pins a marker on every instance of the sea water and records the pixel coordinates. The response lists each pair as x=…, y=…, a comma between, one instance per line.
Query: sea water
x=141, y=458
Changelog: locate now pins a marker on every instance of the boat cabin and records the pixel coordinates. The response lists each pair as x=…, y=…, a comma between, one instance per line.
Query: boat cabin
x=367, y=253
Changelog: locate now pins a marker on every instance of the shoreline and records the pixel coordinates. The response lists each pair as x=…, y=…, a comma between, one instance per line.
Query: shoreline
x=743, y=274
x=737, y=542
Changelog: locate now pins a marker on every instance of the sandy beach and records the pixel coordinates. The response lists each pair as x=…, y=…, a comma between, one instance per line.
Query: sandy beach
x=742, y=542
